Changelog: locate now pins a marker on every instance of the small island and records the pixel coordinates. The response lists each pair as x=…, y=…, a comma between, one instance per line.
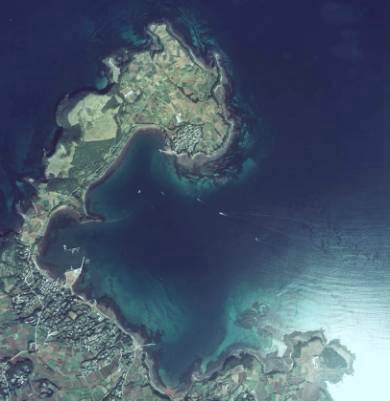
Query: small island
x=57, y=345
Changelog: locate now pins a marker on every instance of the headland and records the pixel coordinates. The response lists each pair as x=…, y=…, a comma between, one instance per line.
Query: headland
x=164, y=88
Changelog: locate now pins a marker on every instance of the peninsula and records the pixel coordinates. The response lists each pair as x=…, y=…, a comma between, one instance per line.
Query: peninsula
x=57, y=345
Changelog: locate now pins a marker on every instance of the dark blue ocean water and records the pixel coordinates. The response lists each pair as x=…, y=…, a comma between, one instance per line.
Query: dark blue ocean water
x=313, y=66
x=309, y=77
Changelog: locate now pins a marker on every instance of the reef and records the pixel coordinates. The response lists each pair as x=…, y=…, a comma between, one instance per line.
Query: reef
x=57, y=345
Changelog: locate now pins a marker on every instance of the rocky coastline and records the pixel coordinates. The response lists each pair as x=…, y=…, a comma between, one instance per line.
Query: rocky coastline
x=85, y=156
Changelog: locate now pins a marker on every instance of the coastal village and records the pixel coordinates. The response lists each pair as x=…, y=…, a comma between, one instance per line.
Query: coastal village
x=57, y=345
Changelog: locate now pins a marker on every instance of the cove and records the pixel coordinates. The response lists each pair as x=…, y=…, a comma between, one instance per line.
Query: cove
x=166, y=260
x=174, y=267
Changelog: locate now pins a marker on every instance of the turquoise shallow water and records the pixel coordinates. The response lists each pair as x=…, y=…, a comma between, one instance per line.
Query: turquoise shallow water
x=161, y=253
x=306, y=232
x=172, y=263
